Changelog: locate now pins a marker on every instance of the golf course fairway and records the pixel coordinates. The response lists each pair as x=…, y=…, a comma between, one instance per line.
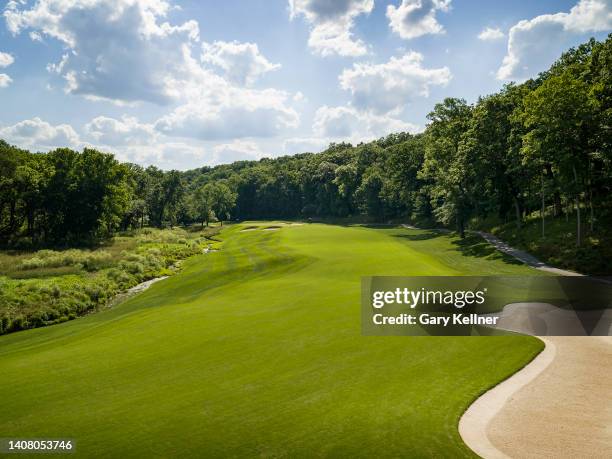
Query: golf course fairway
x=256, y=350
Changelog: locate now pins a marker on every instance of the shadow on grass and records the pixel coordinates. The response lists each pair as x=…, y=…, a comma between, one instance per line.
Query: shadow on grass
x=422, y=236
x=474, y=245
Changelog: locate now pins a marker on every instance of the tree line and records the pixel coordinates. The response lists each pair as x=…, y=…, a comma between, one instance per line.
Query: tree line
x=541, y=147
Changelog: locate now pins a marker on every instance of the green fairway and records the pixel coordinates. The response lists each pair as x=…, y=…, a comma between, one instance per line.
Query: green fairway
x=256, y=350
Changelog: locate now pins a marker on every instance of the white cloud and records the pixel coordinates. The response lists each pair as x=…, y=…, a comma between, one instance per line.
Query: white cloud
x=40, y=135
x=216, y=109
x=347, y=123
x=35, y=36
x=491, y=34
x=220, y=111
x=241, y=62
x=388, y=87
x=534, y=44
x=126, y=131
x=120, y=49
x=304, y=144
x=414, y=18
x=299, y=97
x=128, y=139
x=165, y=155
x=332, y=23
x=58, y=67
x=5, y=80
x=239, y=150
x=125, y=51
x=136, y=142
x=6, y=59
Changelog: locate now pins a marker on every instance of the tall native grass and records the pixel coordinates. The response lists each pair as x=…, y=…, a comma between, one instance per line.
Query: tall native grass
x=53, y=286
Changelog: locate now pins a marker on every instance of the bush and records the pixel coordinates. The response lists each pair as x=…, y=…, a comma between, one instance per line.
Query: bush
x=39, y=301
x=88, y=260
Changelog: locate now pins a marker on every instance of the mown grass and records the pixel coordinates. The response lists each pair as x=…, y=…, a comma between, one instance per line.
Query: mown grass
x=256, y=350
x=52, y=286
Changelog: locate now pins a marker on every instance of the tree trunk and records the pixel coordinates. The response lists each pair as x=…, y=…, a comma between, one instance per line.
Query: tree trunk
x=461, y=225
x=517, y=210
x=30, y=223
x=592, y=219
x=12, y=217
x=542, y=210
x=557, y=204
x=578, y=222
x=578, y=238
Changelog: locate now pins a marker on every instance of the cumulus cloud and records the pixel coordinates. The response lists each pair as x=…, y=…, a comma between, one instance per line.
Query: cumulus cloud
x=388, y=87
x=414, y=18
x=491, y=34
x=40, y=135
x=239, y=150
x=6, y=59
x=136, y=142
x=5, y=80
x=166, y=155
x=242, y=63
x=331, y=24
x=126, y=51
x=126, y=131
x=35, y=36
x=304, y=144
x=120, y=49
x=534, y=44
x=217, y=110
x=347, y=123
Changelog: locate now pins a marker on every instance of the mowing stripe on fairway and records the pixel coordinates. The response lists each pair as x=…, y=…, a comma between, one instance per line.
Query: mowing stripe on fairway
x=257, y=350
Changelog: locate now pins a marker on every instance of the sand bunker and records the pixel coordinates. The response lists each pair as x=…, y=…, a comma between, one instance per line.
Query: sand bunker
x=559, y=405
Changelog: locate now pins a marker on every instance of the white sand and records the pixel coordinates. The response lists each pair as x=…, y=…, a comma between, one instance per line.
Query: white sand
x=560, y=404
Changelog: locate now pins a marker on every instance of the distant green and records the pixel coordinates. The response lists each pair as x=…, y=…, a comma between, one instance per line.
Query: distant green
x=255, y=350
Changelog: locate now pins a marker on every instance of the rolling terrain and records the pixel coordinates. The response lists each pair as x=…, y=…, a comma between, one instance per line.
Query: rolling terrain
x=256, y=350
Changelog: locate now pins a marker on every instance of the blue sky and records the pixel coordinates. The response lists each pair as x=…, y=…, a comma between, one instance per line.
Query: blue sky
x=182, y=84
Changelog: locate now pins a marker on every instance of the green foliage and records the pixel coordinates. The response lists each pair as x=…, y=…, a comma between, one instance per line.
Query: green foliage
x=61, y=197
x=544, y=145
x=213, y=199
x=256, y=350
x=88, y=260
x=33, y=294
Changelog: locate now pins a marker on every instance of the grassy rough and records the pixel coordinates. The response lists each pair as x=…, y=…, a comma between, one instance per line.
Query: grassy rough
x=256, y=350
x=49, y=287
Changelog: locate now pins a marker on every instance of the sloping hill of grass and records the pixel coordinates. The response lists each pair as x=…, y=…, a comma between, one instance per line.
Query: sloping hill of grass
x=256, y=350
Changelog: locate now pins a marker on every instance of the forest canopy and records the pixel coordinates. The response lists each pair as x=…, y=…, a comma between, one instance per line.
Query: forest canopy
x=542, y=147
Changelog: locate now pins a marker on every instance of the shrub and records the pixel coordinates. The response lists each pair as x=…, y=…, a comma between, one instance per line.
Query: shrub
x=35, y=301
x=88, y=260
